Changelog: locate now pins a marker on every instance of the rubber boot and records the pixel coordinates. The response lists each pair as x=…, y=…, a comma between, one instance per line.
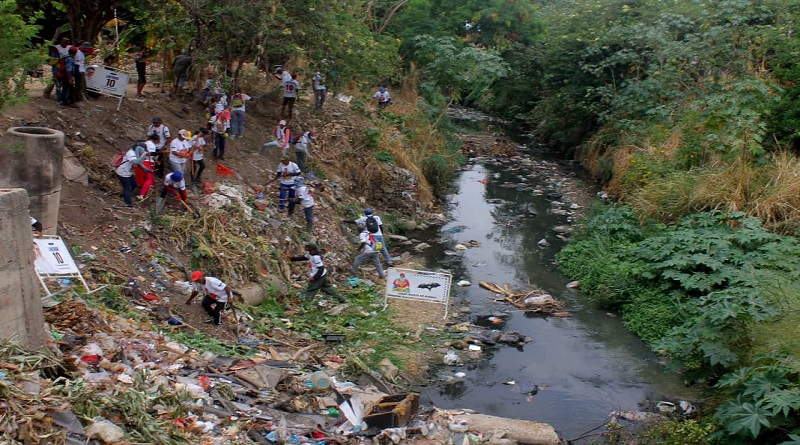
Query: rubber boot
x=160, y=203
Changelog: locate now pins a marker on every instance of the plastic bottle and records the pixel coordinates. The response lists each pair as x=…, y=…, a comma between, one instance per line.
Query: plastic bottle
x=320, y=380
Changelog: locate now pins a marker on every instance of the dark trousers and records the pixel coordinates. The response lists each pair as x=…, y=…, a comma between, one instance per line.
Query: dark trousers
x=285, y=196
x=213, y=308
x=322, y=284
x=159, y=164
x=199, y=166
x=319, y=97
x=219, y=146
x=128, y=184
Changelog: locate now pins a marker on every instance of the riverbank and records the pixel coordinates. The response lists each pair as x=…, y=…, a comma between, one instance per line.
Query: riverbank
x=122, y=344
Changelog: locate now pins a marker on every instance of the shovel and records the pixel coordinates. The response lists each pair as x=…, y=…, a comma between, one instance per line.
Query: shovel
x=191, y=209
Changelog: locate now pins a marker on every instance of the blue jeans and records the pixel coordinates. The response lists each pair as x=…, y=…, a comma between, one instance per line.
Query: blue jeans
x=128, y=184
x=286, y=193
x=384, y=249
x=59, y=87
x=309, y=212
x=237, y=123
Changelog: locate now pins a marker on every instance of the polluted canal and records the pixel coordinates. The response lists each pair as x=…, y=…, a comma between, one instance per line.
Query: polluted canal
x=577, y=369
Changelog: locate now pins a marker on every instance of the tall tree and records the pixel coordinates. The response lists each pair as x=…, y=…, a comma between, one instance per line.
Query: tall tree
x=87, y=17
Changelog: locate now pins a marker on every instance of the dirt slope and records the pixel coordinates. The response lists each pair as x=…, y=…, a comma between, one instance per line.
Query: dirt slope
x=116, y=242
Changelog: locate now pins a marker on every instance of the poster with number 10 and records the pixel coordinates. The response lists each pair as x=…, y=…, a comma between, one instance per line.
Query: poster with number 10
x=51, y=257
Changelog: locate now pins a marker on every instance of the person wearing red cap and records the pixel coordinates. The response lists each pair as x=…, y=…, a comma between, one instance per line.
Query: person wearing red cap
x=217, y=295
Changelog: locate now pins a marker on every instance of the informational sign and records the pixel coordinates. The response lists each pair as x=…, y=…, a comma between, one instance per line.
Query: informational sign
x=52, y=259
x=409, y=284
x=106, y=80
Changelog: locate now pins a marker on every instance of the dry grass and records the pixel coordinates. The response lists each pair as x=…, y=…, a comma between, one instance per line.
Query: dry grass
x=770, y=192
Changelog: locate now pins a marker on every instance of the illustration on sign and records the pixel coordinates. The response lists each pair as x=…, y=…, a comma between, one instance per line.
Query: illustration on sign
x=51, y=257
x=418, y=285
x=106, y=80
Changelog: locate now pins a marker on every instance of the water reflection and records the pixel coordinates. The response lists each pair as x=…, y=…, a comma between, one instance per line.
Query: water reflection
x=582, y=367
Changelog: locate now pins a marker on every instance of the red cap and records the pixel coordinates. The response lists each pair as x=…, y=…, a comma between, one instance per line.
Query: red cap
x=196, y=275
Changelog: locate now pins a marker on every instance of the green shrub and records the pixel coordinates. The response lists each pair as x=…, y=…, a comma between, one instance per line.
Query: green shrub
x=674, y=431
x=372, y=137
x=438, y=172
x=384, y=156
x=650, y=315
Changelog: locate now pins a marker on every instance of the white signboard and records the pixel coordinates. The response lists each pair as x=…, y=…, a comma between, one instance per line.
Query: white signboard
x=418, y=285
x=51, y=257
x=105, y=80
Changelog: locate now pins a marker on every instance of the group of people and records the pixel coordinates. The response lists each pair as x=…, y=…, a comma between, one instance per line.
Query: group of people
x=69, y=66
x=372, y=244
x=146, y=161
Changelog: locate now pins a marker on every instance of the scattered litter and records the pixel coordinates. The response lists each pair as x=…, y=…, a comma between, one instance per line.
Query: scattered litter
x=533, y=301
x=451, y=358
x=463, y=283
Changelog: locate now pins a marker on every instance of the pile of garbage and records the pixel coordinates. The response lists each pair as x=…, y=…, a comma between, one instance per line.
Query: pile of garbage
x=103, y=379
x=534, y=300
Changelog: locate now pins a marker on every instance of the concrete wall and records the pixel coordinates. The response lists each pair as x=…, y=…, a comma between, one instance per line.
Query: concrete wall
x=32, y=158
x=21, y=314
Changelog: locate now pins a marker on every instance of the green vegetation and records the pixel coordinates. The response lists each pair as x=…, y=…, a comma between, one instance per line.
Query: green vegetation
x=699, y=292
x=16, y=33
x=370, y=334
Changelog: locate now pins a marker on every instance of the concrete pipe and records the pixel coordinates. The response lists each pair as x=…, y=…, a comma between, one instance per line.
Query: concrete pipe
x=31, y=158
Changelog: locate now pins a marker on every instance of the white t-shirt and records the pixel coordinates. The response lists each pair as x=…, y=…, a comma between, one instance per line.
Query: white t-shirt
x=214, y=288
x=288, y=170
x=368, y=239
x=382, y=97
x=80, y=58
x=281, y=134
x=290, y=88
x=243, y=97
x=363, y=220
x=314, y=263
x=304, y=194
x=169, y=182
x=199, y=146
x=151, y=147
x=179, y=146
x=286, y=76
x=219, y=126
x=163, y=134
x=63, y=51
x=219, y=106
x=317, y=81
x=302, y=143
x=126, y=168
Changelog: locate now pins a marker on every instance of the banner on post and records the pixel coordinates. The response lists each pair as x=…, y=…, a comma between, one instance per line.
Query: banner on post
x=51, y=259
x=410, y=284
x=106, y=80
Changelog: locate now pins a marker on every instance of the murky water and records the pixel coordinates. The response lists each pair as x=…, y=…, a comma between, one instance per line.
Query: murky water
x=586, y=365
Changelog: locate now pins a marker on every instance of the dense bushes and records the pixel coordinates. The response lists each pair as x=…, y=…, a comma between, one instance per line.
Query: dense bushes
x=694, y=291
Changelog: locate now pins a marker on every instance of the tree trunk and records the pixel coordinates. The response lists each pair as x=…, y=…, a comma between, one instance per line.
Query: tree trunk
x=87, y=18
